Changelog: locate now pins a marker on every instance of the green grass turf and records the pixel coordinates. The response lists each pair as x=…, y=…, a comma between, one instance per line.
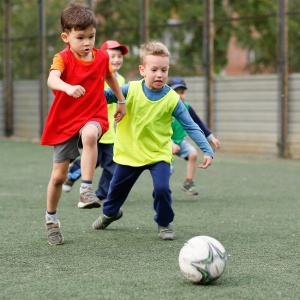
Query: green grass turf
x=251, y=205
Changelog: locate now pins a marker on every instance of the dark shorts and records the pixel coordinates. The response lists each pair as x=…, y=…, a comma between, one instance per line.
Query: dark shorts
x=69, y=150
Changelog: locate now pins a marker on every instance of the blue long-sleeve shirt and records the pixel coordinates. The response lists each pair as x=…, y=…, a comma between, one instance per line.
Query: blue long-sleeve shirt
x=207, y=132
x=180, y=113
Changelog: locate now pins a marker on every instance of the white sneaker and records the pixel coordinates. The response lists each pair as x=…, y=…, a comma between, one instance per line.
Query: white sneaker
x=67, y=186
x=88, y=199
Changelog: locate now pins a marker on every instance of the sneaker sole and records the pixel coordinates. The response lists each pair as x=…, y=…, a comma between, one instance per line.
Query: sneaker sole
x=190, y=193
x=89, y=205
x=167, y=236
x=170, y=237
x=60, y=243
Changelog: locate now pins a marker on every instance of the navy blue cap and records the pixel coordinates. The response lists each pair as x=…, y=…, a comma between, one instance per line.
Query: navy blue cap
x=176, y=82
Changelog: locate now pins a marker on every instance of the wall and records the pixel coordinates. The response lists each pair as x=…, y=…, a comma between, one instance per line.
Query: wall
x=246, y=112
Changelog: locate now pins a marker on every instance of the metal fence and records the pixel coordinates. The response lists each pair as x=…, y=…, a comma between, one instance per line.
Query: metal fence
x=230, y=105
x=246, y=112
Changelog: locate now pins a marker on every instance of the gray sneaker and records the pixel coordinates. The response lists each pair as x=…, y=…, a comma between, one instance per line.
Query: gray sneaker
x=103, y=221
x=189, y=187
x=54, y=235
x=166, y=233
x=88, y=199
x=67, y=186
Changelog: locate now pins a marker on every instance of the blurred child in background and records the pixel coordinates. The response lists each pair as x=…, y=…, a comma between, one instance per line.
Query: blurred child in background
x=181, y=146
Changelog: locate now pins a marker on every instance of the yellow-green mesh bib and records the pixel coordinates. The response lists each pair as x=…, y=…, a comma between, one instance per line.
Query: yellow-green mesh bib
x=143, y=136
x=109, y=136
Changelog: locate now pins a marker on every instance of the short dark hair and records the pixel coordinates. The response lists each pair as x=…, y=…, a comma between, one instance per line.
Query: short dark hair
x=77, y=17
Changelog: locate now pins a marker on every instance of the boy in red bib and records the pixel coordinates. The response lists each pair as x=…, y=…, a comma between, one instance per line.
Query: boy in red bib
x=78, y=115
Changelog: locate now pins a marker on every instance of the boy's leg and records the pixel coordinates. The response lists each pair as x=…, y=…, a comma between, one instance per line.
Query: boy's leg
x=108, y=166
x=123, y=180
x=162, y=203
x=58, y=176
x=74, y=174
x=90, y=135
x=73, y=168
x=63, y=153
x=188, y=152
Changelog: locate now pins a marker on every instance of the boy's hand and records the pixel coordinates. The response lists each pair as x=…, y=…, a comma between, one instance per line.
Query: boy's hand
x=216, y=143
x=207, y=161
x=120, y=112
x=75, y=91
x=175, y=148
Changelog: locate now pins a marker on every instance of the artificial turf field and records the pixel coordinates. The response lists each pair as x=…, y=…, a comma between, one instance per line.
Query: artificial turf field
x=251, y=205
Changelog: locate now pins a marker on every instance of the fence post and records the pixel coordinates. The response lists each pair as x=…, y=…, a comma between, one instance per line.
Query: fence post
x=144, y=32
x=282, y=67
x=8, y=84
x=42, y=66
x=208, y=61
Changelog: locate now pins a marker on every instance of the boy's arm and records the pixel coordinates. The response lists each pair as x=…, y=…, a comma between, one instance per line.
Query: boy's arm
x=195, y=133
x=199, y=122
x=207, y=132
x=55, y=83
x=112, y=82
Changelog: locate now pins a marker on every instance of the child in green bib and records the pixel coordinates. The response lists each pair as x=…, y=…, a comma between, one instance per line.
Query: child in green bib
x=181, y=146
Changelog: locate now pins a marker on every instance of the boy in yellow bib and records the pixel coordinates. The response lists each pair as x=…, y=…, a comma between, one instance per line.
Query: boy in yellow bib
x=143, y=139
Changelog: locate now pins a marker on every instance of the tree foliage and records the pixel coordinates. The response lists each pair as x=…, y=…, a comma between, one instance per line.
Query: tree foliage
x=257, y=31
x=177, y=23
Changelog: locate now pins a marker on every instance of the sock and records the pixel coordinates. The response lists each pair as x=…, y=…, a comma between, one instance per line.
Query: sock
x=51, y=217
x=85, y=185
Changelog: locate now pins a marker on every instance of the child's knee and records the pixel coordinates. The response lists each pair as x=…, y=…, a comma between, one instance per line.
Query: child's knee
x=58, y=179
x=193, y=156
x=90, y=136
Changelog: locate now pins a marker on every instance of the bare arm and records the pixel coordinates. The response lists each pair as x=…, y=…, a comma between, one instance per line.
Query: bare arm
x=55, y=83
x=112, y=82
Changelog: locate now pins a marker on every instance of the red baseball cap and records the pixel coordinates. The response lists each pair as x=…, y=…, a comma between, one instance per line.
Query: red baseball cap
x=113, y=45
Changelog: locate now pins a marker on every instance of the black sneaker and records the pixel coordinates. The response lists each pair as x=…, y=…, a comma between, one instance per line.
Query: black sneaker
x=103, y=221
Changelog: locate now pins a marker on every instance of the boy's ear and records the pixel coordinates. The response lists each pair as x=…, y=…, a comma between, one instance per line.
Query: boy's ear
x=64, y=37
x=142, y=71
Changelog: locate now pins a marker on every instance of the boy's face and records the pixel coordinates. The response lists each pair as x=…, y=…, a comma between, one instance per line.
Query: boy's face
x=115, y=58
x=181, y=92
x=155, y=71
x=81, y=42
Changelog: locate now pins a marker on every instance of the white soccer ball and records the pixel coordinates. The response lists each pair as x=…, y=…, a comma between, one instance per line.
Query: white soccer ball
x=202, y=259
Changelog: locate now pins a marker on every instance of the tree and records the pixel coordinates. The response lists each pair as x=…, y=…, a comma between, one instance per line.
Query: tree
x=177, y=23
x=256, y=31
x=24, y=36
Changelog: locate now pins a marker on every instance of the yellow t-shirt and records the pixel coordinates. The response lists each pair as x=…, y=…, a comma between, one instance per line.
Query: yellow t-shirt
x=143, y=136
